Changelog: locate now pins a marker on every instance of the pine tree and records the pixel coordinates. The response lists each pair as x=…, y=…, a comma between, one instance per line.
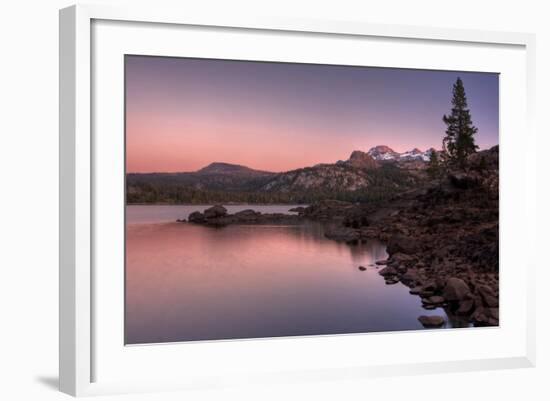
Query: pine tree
x=459, y=139
x=434, y=167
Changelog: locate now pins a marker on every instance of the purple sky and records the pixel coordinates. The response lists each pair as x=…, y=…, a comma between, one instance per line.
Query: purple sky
x=182, y=114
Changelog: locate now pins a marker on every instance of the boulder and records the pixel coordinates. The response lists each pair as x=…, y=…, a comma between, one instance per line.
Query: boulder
x=439, y=282
x=388, y=271
x=215, y=211
x=196, y=217
x=465, y=307
x=431, y=321
x=403, y=244
x=490, y=301
x=415, y=290
x=455, y=289
x=341, y=233
x=435, y=299
x=483, y=316
x=410, y=276
x=430, y=286
x=362, y=268
x=402, y=259
x=248, y=215
x=247, y=212
x=487, y=295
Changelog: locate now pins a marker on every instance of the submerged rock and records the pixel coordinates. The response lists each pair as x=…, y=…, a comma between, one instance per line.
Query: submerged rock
x=431, y=321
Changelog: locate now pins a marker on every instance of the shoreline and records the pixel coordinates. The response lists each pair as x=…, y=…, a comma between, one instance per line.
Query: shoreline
x=442, y=241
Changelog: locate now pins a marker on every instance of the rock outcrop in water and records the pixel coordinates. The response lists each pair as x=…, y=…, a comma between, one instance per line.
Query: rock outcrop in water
x=217, y=216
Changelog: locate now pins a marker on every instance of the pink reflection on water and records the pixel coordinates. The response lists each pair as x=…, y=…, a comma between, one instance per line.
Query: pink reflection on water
x=187, y=282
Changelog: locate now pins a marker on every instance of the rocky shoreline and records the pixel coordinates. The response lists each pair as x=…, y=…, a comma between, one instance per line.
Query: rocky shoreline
x=442, y=239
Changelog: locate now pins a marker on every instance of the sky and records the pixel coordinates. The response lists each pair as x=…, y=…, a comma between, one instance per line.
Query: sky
x=183, y=114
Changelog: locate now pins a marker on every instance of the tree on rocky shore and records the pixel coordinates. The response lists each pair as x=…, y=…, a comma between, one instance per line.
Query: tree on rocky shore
x=459, y=141
x=434, y=166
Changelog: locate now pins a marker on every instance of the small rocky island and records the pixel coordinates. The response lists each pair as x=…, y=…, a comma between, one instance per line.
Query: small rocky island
x=217, y=216
x=442, y=237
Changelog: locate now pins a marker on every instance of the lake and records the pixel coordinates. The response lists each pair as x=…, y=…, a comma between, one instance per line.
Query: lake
x=186, y=282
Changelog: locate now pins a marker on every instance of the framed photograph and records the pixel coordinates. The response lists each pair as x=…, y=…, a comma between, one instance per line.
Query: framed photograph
x=275, y=200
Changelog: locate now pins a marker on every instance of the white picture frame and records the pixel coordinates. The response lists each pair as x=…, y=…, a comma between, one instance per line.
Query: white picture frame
x=78, y=217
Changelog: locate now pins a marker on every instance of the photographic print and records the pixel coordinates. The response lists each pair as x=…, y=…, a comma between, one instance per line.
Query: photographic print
x=269, y=199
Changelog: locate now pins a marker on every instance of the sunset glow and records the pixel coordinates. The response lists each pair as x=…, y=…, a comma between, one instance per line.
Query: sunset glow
x=182, y=114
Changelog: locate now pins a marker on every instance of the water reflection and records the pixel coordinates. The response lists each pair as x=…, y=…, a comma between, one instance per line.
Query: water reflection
x=187, y=282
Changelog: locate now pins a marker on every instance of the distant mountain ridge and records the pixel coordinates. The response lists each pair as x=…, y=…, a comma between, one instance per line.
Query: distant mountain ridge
x=386, y=154
x=359, y=177
x=231, y=169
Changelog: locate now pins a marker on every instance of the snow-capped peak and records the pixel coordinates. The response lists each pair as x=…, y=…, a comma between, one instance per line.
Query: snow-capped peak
x=385, y=153
x=382, y=152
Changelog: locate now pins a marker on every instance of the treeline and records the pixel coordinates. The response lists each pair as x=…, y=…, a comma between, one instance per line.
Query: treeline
x=147, y=194
x=384, y=183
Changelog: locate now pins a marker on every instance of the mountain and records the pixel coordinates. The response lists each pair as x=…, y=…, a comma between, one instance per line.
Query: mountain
x=360, y=177
x=349, y=175
x=214, y=177
x=360, y=159
x=322, y=177
x=230, y=169
x=386, y=154
x=382, y=153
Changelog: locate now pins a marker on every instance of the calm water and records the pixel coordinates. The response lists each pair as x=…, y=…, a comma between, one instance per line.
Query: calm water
x=187, y=282
x=170, y=213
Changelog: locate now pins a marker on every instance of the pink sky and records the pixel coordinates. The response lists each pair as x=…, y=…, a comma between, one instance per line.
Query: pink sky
x=182, y=114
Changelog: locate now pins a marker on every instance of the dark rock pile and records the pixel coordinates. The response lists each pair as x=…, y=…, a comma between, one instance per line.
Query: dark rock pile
x=328, y=210
x=217, y=216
